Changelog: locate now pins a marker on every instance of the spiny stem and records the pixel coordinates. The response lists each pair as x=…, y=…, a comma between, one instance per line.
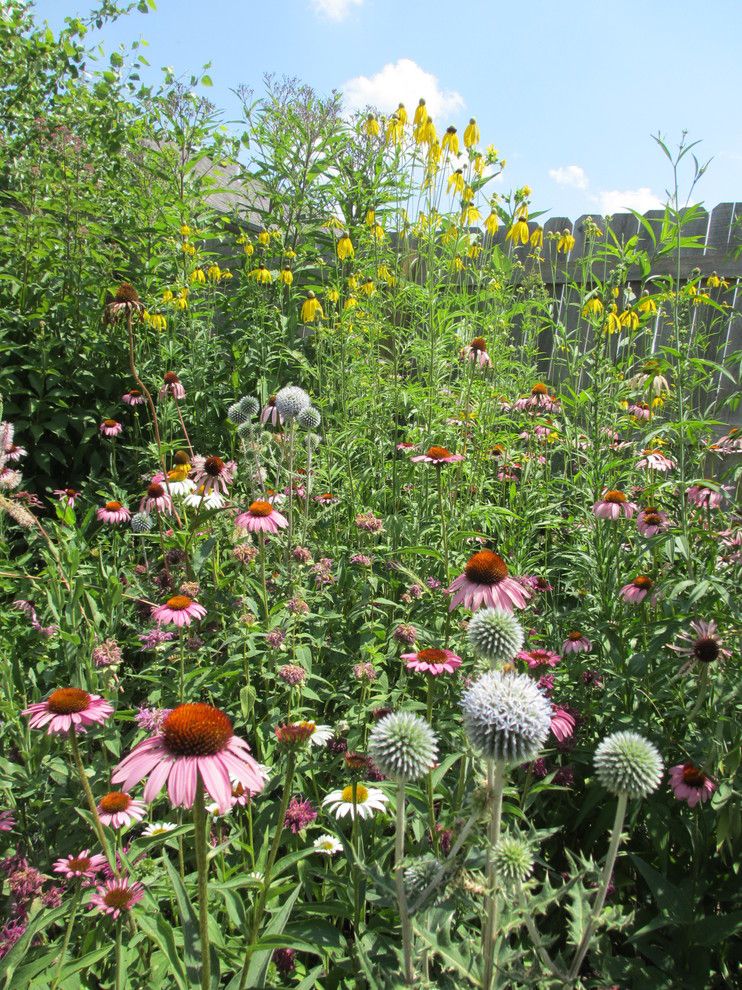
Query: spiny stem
x=404, y=915
x=495, y=787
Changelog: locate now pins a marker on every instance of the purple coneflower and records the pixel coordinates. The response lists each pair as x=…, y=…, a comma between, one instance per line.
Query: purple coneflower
x=702, y=645
x=432, y=661
x=486, y=582
x=690, y=784
x=180, y=610
x=113, y=513
x=637, y=589
x=66, y=709
x=261, y=517
x=171, y=385
x=437, y=456
x=110, y=428
x=613, y=504
x=651, y=521
x=655, y=460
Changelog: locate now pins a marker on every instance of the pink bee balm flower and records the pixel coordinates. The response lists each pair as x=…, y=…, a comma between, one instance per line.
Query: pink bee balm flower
x=113, y=513
x=82, y=865
x=562, y=723
x=576, y=643
x=705, y=498
x=156, y=499
x=110, y=428
x=538, y=658
x=637, y=589
x=196, y=741
x=613, y=505
x=119, y=809
x=133, y=397
x=655, y=460
x=68, y=496
x=432, y=661
x=212, y=473
x=651, y=521
x=117, y=896
x=68, y=708
x=261, y=517
x=437, y=456
x=270, y=413
x=171, y=385
x=690, y=784
x=180, y=610
x=7, y=821
x=486, y=582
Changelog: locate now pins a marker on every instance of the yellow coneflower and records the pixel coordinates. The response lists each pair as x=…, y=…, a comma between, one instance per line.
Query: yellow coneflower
x=214, y=273
x=264, y=238
x=377, y=232
x=261, y=275
x=456, y=181
x=155, y=320
x=311, y=308
x=421, y=114
x=701, y=299
x=367, y=286
x=434, y=154
x=394, y=130
x=286, y=275
x=350, y=303
x=566, y=242
x=470, y=213
x=492, y=223
x=401, y=114
x=592, y=308
x=450, y=140
x=345, y=248
x=537, y=237
x=352, y=282
x=458, y=264
x=479, y=164
x=290, y=254
x=168, y=295
x=450, y=235
x=385, y=274
x=226, y=274
x=474, y=250
x=188, y=248
x=371, y=126
x=468, y=194
x=518, y=232
x=182, y=300
x=471, y=134
x=198, y=276
x=333, y=295
x=613, y=320
x=370, y=218
x=185, y=230
x=334, y=223
x=630, y=319
x=249, y=249
x=646, y=305
x=426, y=133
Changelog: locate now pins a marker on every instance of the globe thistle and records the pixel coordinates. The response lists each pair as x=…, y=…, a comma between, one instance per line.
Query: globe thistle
x=313, y=440
x=495, y=635
x=141, y=522
x=506, y=717
x=309, y=418
x=513, y=860
x=627, y=763
x=236, y=415
x=249, y=406
x=403, y=746
x=290, y=401
x=246, y=430
x=419, y=875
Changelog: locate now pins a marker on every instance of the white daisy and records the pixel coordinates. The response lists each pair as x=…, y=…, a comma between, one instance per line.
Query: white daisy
x=184, y=487
x=368, y=801
x=159, y=828
x=321, y=735
x=327, y=845
x=208, y=501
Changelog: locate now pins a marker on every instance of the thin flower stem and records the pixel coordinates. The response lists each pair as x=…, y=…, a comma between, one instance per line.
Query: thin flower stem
x=117, y=956
x=600, y=899
x=199, y=826
x=91, y=801
x=495, y=787
x=67, y=934
x=404, y=915
x=536, y=938
x=261, y=538
x=183, y=426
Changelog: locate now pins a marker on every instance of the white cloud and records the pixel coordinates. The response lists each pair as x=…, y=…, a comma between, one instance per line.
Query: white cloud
x=334, y=10
x=570, y=175
x=620, y=200
x=405, y=82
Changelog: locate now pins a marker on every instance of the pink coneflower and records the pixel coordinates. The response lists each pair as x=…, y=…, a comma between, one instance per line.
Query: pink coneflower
x=180, y=610
x=133, y=397
x=637, y=589
x=562, y=723
x=171, y=385
x=639, y=410
x=406, y=447
x=119, y=809
x=68, y=708
x=213, y=473
x=731, y=443
x=540, y=400
x=576, y=642
x=110, y=428
x=270, y=413
x=156, y=499
x=705, y=498
x=613, y=504
x=432, y=661
x=14, y=453
x=261, y=517
x=476, y=351
x=655, y=460
x=651, y=521
x=437, y=456
x=113, y=513
x=703, y=645
x=690, y=784
x=486, y=582
x=538, y=657
x=196, y=740
x=326, y=498
x=535, y=582
x=82, y=865
x=68, y=496
x=117, y=896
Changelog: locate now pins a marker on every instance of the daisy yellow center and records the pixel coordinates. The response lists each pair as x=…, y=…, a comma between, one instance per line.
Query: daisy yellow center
x=170, y=378
x=155, y=490
x=432, y=655
x=196, y=729
x=110, y=422
x=261, y=509
x=79, y=864
x=67, y=701
x=574, y=635
x=615, y=496
x=486, y=567
x=539, y=389
x=113, y=506
x=114, y=801
x=642, y=582
x=179, y=603
x=214, y=466
x=437, y=453
x=706, y=649
x=119, y=897
x=361, y=794
x=692, y=776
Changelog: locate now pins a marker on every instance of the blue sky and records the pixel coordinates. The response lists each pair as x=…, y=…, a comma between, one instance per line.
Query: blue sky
x=569, y=91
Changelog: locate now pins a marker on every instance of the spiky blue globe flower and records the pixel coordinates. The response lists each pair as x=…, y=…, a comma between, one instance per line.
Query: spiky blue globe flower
x=309, y=418
x=290, y=401
x=495, y=635
x=506, y=717
x=513, y=860
x=141, y=522
x=235, y=414
x=246, y=430
x=419, y=875
x=627, y=763
x=249, y=406
x=403, y=746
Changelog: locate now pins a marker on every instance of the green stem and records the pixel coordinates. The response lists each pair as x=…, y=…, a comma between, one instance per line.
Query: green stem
x=495, y=787
x=67, y=934
x=404, y=915
x=117, y=956
x=91, y=801
x=199, y=825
